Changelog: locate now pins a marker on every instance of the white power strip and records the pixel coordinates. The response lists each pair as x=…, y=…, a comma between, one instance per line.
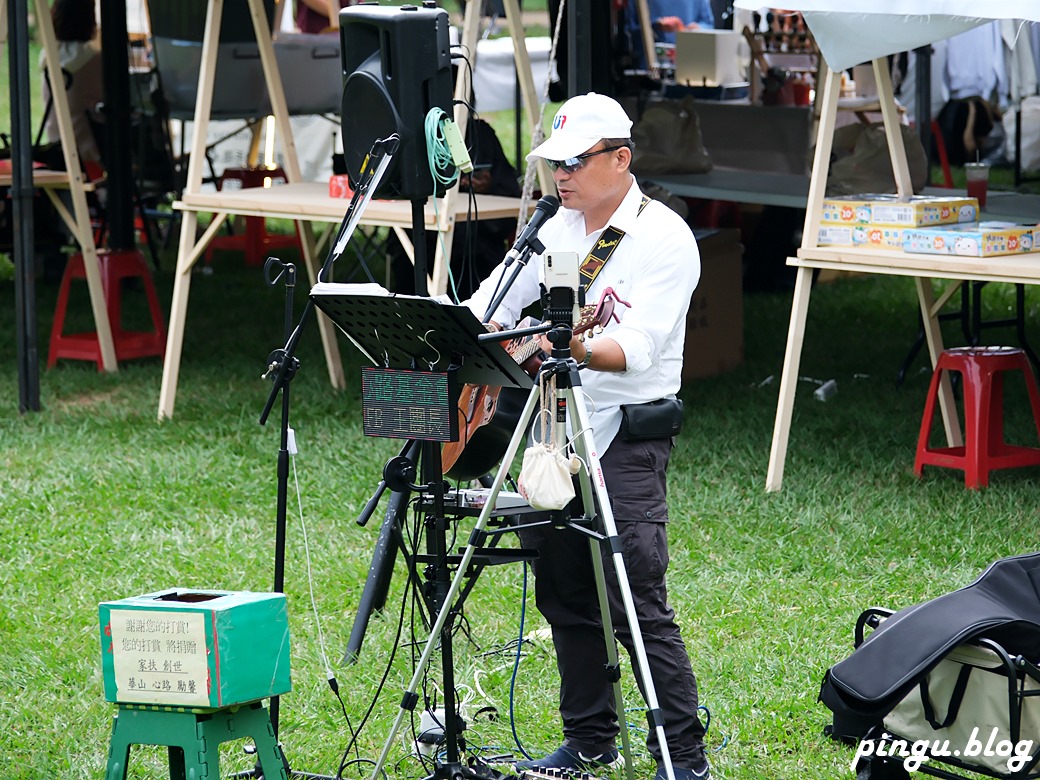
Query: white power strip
x=457, y=146
x=431, y=730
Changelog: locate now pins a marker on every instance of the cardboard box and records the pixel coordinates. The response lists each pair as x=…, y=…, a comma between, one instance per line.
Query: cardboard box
x=184, y=648
x=715, y=323
x=885, y=210
x=982, y=239
x=709, y=58
x=876, y=236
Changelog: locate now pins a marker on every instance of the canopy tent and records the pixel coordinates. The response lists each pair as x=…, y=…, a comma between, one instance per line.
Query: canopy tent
x=117, y=17
x=849, y=32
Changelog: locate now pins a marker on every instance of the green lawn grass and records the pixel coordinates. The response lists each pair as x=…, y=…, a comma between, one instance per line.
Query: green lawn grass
x=98, y=501
x=36, y=103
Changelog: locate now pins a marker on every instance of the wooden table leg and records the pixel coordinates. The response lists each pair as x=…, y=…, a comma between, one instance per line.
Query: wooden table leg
x=789, y=379
x=188, y=254
x=933, y=335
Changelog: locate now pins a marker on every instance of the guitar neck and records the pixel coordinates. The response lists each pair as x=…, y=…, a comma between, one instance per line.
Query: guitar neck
x=526, y=351
x=523, y=352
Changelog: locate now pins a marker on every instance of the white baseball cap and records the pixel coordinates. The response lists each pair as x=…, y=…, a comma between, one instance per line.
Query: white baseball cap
x=580, y=124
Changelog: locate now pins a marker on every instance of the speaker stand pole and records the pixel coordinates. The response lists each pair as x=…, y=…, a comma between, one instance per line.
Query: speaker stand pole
x=419, y=253
x=436, y=522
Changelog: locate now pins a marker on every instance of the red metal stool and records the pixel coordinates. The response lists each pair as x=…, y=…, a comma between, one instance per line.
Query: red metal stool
x=255, y=242
x=944, y=160
x=114, y=267
x=984, y=449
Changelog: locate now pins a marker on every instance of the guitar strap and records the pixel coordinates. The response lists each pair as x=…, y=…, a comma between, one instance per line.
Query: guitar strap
x=603, y=249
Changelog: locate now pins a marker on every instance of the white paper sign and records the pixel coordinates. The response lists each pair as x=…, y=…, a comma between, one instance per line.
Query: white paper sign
x=160, y=657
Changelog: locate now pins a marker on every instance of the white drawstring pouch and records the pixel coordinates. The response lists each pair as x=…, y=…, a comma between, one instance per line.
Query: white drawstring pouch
x=545, y=475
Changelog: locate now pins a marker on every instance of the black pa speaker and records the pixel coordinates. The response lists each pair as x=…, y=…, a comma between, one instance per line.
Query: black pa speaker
x=396, y=68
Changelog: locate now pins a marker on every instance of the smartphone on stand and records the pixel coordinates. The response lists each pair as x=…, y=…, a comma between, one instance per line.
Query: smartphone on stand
x=562, y=283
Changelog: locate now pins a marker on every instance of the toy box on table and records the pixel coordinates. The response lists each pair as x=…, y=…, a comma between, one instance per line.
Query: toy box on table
x=881, y=209
x=878, y=220
x=877, y=236
x=980, y=239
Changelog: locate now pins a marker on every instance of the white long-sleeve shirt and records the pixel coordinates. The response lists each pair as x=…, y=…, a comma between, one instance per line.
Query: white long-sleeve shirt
x=655, y=267
x=975, y=64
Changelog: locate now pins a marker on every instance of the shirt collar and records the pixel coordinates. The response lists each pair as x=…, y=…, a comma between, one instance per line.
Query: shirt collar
x=625, y=218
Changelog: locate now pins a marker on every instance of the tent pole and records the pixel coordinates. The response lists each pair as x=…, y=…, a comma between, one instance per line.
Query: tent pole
x=22, y=211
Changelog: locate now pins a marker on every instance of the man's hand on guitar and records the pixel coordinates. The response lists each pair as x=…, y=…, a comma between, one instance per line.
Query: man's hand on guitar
x=608, y=353
x=478, y=404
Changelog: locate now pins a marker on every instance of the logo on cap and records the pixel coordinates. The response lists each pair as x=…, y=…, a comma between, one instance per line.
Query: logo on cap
x=559, y=121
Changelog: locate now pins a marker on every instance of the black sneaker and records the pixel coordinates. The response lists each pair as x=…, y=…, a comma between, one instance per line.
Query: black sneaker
x=565, y=757
x=682, y=773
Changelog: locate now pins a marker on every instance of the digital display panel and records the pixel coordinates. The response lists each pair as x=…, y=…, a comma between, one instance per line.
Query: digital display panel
x=406, y=404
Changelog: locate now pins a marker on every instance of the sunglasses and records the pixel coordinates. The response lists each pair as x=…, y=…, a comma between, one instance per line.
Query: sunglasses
x=572, y=164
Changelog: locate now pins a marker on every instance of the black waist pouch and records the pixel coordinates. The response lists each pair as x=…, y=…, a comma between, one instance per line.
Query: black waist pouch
x=660, y=419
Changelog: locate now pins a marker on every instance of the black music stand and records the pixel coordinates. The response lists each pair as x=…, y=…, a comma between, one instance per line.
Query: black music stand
x=411, y=331
x=398, y=331
x=407, y=332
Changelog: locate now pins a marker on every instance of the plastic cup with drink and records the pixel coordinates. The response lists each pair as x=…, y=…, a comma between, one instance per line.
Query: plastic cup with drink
x=976, y=175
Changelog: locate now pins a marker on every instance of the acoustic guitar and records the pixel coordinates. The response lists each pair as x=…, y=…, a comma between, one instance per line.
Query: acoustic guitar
x=488, y=414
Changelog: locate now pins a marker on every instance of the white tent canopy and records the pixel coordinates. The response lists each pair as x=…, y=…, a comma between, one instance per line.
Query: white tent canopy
x=849, y=32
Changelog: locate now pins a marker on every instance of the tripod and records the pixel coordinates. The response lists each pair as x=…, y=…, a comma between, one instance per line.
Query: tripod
x=564, y=370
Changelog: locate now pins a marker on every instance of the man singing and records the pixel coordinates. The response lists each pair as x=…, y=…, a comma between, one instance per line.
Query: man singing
x=650, y=258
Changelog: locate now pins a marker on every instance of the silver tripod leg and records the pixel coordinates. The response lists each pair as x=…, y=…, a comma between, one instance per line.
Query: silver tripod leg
x=595, y=554
x=594, y=487
x=612, y=653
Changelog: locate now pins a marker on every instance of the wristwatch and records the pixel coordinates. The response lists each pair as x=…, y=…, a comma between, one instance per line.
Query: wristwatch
x=588, y=356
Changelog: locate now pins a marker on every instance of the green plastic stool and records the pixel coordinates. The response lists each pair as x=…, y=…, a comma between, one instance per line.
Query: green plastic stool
x=198, y=733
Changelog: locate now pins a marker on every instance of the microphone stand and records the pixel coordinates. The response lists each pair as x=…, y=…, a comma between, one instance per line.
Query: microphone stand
x=288, y=270
x=533, y=246
x=282, y=363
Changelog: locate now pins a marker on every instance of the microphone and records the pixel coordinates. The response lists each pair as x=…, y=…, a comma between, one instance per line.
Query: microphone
x=543, y=210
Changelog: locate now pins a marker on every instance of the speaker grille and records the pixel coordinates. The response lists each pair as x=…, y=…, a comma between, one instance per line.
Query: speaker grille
x=397, y=67
x=368, y=114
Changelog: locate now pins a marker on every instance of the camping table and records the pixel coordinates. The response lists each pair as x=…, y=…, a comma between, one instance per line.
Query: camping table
x=307, y=202
x=844, y=43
